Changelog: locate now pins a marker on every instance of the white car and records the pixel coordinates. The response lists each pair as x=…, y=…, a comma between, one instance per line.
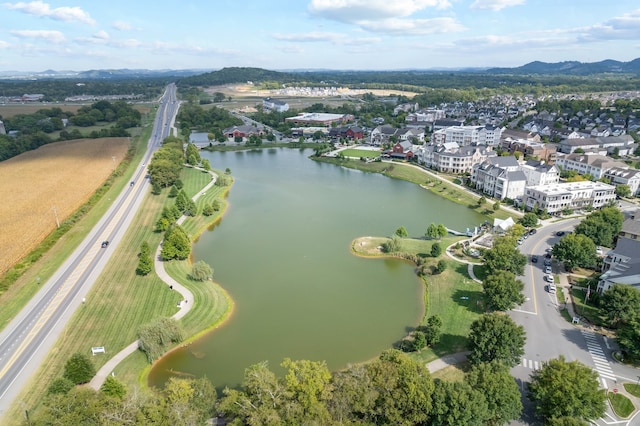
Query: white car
x=547, y=269
x=548, y=278
x=599, y=250
x=552, y=288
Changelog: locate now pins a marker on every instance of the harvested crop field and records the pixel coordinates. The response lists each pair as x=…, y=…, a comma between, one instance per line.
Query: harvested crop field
x=61, y=175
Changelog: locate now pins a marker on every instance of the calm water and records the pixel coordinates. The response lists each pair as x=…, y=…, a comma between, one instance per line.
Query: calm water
x=282, y=252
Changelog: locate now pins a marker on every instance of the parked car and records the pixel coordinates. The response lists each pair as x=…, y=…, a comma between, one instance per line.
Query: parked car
x=551, y=288
x=547, y=261
x=534, y=259
x=532, y=231
x=520, y=241
x=548, y=278
x=599, y=250
x=560, y=233
x=547, y=269
x=105, y=244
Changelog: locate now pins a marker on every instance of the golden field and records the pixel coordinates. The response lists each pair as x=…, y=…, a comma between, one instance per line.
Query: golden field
x=61, y=175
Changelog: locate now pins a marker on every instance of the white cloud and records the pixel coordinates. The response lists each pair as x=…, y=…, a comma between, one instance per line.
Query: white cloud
x=625, y=27
x=495, y=4
x=164, y=47
x=42, y=9
x=123, y=26
x=334, y=38
x=413, y=26
x=356, y=10
x=48, y=35
x=102, y=35
x=4, y=44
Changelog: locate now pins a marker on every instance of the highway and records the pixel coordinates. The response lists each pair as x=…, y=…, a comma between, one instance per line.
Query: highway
x=25, y=342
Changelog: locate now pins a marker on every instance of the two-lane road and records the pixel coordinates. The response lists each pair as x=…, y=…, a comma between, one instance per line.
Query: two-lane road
x=26, y=340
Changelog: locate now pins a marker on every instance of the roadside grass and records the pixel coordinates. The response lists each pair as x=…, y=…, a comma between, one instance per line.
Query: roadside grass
x=419, y=176
x=358, y=153
x=589, y=311
x=121, y=301
x=621, y=405
x=633, y=389
x=25, y=278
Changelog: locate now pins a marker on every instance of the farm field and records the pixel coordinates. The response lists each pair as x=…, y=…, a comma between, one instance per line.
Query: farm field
x=9, y=110
x=61, y=175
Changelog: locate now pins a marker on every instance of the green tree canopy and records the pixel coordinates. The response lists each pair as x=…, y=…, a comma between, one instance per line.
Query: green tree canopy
x=500, y=390
x=402, y=232
x=436, y=249
x=156, y=337
x=621, y=304
x=79, y=369
x=576, y=249
x=567, y=389
x=495, y=336
x=602, y=226
x=529, y=220
x=503, y=291
x=623, y=190
x=113, y=387
x=504, y=256
x=457, y=403
x=176, y=244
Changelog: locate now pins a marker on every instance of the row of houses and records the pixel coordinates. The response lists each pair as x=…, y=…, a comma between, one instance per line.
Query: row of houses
x=621, y=265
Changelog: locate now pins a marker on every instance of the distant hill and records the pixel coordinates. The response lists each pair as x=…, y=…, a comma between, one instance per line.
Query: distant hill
x=608, y=66
x=113, y=74
x=241, y=75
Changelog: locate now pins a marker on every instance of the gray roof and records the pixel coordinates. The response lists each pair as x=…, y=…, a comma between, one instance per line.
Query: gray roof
x=518, y=175
x=509, y=161
x=631, y=226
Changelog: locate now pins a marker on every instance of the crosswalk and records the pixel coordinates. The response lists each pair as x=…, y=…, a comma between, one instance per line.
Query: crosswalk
x=594, y=346
x=599, y=358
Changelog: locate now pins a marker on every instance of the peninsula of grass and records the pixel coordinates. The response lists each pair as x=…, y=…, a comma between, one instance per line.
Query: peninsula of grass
x=633, y=389
x=419, y=176
x=452, y=294
x=620, y=404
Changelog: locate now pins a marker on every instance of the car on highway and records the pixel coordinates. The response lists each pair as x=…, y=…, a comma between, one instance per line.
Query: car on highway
x=104, y=244
x=534, y=259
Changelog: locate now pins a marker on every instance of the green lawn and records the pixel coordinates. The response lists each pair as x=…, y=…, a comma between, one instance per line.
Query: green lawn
x=452, y=295
x=358, y=153
x=633, y=389
x=621, y=405
x=589, y=310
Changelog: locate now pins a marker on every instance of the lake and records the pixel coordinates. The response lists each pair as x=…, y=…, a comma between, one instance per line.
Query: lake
x=282, y=251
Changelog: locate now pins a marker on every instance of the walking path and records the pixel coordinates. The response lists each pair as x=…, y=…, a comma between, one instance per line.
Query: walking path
x=447, y=361
x=185, y=304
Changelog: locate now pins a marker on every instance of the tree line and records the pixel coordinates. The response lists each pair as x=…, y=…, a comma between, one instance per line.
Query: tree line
x=33, y=130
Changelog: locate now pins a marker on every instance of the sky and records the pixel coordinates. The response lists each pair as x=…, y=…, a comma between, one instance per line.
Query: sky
x=313, y=34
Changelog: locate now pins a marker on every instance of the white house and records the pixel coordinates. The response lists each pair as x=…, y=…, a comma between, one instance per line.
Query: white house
x=451, y=158
x=624, y=176
x=468, y=135
x=540, y=173
x=557, y=197
x=499, y=177
x=594, y=164
x=621, y=265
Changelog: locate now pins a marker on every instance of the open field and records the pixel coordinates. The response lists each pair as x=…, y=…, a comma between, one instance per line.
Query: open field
x=55, y=179
x=121, y=301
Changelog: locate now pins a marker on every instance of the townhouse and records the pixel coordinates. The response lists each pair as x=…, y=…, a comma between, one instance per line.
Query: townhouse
x=468, y=135
x=624, y=176
x=593, y=164
x=556, y=197
x=499, y=177
x=452, y=158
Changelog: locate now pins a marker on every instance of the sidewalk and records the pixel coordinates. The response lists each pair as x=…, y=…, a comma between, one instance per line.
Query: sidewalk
x=446, y=361
x=185, y=304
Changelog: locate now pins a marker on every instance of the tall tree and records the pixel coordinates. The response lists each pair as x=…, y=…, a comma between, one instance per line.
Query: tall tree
x=503, y=291
x=457, y=403
x=621, y=304
x=602, y=226
x=176, y=244
x=504, y=256
x=79, y=369
x=576, y=249
x=495, y=336
x=567, y=389
x=501, y=391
